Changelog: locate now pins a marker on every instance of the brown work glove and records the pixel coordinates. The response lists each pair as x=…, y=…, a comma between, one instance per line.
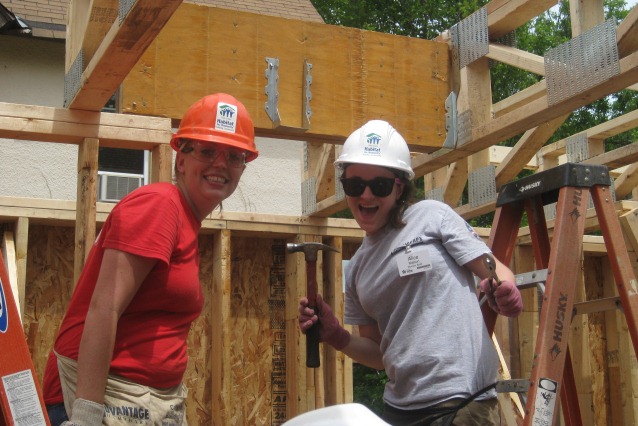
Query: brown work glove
x=330, y=331
x=503, y=298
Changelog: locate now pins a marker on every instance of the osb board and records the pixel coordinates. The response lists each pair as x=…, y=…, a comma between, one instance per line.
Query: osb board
x=48, y=291
x=356, y=75
x=49, y=284
x=198, y=374
x=257, y=324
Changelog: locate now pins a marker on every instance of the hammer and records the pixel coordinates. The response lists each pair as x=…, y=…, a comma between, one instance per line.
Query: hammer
x=312, y=335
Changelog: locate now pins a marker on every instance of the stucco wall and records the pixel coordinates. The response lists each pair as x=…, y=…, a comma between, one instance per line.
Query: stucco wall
x=32, y=72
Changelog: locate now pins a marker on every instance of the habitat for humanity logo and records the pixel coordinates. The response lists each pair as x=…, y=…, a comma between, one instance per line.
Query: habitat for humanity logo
x=226, y=119
x=372, y=144
x=4, y=314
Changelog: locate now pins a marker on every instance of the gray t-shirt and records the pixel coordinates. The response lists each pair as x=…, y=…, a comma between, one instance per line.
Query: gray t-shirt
x=435, y=345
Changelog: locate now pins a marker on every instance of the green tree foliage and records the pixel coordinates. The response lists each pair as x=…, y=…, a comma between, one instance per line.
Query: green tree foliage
x=427, y=19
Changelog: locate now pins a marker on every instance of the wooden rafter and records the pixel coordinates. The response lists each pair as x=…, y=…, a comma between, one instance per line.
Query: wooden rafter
x=113, y=56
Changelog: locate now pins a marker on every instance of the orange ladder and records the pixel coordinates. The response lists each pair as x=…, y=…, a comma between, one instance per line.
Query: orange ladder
x=569, y=186
x=21, y=401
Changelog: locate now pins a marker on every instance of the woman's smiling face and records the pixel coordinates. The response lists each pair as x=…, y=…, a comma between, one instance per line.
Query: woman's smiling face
x=372, y=213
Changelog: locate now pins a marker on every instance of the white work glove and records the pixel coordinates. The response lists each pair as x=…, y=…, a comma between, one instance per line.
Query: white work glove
x=85, y=413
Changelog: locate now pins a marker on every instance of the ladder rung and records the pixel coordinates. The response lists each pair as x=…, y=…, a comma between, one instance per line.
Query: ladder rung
x=513, y=385
x=531, y=279
x=598, y=305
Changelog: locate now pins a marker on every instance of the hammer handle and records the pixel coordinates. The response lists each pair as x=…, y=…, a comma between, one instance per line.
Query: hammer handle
x=312, y=346
x=312, y=334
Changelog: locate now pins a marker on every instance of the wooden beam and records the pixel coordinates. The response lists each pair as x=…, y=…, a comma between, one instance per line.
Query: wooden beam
x=517, y=58
x=627, y=33
x=520, y=99
x=356, y=75
x=619, y=157
x=120, y=49
x=504, y=16
x=455, y=180
x=222, y=384
x=62, y=212
x=626, y=182
x=529, y=116
x=21, y=234
x=88, y=21
x=605, y=130
x=629, y=222
x=525, y=149
x=585, y=14
x=9, y=256
x=325, y=172
x=161, y=163
x=46, y=124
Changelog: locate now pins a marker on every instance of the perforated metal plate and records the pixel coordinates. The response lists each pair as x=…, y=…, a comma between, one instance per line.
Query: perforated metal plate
x=308, y=196
x=471, y=37
x=72, y=79
x=339, y=194
x=482, y=186
x=581, y=63
x=434, y=194
x=124, y=8
x=577, y=148
x=464, y=128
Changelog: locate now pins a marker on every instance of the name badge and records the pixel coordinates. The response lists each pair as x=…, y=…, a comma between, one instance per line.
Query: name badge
x=413, y=260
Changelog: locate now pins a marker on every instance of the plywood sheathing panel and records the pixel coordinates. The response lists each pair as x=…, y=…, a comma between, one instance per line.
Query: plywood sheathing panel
x=356, y=75
x=48, y=290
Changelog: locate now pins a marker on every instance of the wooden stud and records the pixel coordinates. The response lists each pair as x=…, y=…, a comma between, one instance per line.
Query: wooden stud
x=85, y=205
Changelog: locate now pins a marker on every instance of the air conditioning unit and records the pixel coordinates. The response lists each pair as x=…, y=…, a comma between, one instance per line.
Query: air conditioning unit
x=112, y=187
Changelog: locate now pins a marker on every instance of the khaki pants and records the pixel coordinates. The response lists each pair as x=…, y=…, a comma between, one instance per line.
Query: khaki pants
x=128, y=403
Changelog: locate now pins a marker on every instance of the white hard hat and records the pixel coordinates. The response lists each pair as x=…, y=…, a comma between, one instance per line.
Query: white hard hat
x=352, y=414
x=379, y=144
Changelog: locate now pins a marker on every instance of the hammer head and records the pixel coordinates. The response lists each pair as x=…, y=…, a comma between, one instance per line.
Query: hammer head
x=309, y=249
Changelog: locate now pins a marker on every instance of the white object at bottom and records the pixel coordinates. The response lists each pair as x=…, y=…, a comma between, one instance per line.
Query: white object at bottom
x=338, y=415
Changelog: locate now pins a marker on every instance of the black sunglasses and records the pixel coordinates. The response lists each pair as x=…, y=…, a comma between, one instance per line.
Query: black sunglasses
x=380, y=186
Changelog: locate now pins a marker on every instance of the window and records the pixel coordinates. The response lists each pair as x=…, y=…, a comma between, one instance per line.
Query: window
x=120, y=170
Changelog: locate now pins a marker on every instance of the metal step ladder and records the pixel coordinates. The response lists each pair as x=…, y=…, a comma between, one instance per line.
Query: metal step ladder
x=21, y=400
x=558, y=264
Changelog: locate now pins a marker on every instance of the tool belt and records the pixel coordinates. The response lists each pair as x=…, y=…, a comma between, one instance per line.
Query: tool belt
x=442, y=414
x=128, y=403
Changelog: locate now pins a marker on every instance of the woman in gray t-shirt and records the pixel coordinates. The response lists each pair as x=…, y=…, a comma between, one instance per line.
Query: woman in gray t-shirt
x=410, y=290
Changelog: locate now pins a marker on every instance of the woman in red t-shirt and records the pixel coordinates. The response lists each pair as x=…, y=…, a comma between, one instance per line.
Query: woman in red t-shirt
x=120, y=354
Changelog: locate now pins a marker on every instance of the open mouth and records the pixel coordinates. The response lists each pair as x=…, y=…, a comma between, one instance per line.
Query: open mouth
x=368, y=211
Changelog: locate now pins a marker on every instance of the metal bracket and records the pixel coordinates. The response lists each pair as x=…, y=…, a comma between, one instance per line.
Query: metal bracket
x=73, y=79
x=450, y=122
x=583, y=62
x=309, y=196
x=482, y=186
x=470, y=38
x=124, y=7
x=272, y=92
x=306, y=95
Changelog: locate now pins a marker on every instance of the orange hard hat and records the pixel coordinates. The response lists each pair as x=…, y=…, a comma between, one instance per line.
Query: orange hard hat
x=218, y=118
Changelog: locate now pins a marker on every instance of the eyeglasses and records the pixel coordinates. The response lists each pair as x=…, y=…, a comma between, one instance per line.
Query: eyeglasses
x=380, y=186
x=208, y=153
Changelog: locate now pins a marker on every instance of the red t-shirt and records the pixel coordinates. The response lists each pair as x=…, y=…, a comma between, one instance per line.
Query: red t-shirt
x=150, y=347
